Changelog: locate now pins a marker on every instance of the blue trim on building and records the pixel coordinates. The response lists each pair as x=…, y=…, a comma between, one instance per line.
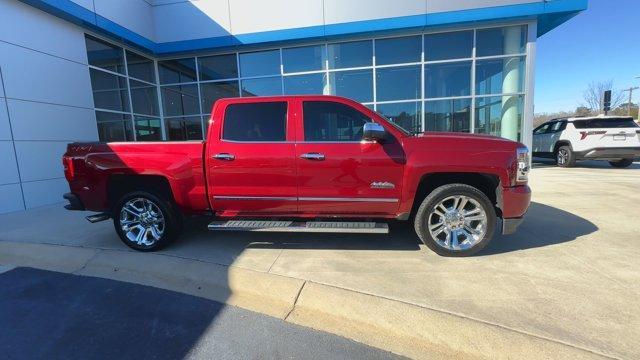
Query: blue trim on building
x=549, y=15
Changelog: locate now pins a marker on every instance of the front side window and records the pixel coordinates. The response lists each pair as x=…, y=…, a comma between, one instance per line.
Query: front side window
x=541, y=129
x=262, y=122
x=330, y=121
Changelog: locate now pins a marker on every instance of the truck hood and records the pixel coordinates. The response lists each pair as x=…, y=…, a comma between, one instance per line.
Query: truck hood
x=464, y=141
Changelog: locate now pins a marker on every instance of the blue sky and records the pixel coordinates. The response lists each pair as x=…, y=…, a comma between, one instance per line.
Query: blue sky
x=598, y=44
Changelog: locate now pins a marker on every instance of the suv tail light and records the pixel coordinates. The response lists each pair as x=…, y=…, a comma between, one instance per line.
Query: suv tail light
x=584, y=134
x=522, y=172
x=69, y=171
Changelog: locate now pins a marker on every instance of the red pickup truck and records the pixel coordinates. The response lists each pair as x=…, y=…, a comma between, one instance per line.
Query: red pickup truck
x=304, y=164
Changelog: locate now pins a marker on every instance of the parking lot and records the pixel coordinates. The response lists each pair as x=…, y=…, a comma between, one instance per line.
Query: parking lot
x=568, y=278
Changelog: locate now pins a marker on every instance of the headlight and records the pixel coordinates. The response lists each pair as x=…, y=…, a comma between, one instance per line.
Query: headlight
x=522, y=173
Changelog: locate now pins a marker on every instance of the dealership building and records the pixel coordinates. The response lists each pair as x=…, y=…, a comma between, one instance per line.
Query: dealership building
x=150, y=70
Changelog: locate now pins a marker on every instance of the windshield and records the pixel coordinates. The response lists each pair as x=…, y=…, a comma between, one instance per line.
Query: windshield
x=400, y=128
x=605, y=123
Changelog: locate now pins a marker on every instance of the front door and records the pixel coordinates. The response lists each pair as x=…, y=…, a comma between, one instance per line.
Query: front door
x=338, y=172
x=250, y=160
x=540, y=139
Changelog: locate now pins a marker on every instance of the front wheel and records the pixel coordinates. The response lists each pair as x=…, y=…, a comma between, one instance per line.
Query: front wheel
x=145, y=222
x=455, y=220
x=621, y=163
x=565, y=157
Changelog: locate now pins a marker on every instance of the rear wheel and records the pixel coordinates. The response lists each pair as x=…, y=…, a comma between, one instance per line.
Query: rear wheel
x=621, y=163
x=145, y=222
x=455, y=220
x=565, y=157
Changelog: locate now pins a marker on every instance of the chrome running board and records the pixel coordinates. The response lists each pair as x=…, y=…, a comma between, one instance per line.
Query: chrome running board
x=348, y=227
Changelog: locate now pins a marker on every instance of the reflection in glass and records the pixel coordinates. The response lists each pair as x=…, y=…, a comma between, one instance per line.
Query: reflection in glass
x=109, y=91
x=398, y=50
x=498, y=76
x=180, y=100
x=147, y=129
x=310, y=84
x=262, y=86
x=177, y=71
x=305, y=58
x=140, y=67
x=448, y=79
x=501, y=41
x=114, y=127
x=448, y=115
x=184, y=128
x=398, y=83
x=218, y=67
x=449, y=45
x=499, y=115
x=144, y=98
x=104, y=55
x=260, y=63
x=211, y=92
x=406, y=115
x=354, y=84
x=350, y=54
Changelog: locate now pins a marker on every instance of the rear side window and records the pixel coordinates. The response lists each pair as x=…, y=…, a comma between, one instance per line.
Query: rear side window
x=331, y=121
x=263, y=122
x=605, y=123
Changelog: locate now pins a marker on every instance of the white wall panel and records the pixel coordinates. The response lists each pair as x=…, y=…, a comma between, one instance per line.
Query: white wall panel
x=40, y=159
x=9, y=173
x=30, y=75
x=248, y=16
x=38, y=121
x=135, y=15
x=10, y=198
x=27, y=26
x=341, y=11
x=5, y=130
x=205, y=19
x=434, y=6
x=47, y=192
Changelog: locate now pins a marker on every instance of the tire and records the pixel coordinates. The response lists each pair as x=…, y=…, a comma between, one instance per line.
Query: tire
x=621, y=163
x=565, y=157
x=427, y=216
x=160, y=230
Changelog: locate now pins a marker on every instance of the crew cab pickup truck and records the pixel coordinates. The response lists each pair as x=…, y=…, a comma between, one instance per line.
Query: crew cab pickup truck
x=304, y=164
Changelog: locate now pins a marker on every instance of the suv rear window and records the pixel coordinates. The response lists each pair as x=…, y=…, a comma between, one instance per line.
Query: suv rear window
x=263, y=121
x=605, y=123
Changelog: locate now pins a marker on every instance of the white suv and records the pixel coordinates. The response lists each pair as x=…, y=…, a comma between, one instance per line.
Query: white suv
x=612, y=138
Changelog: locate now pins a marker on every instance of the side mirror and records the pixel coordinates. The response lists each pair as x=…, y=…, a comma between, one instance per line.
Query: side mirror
x=373, y=132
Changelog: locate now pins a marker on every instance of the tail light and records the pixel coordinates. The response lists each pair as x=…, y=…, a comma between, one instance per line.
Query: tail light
x=69, y=171
x=584, y=134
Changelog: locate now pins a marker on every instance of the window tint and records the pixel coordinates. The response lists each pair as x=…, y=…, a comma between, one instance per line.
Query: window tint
x=306, y=58
x=398, y=50
x=140, y=67
x=605, y=123
x=255, y=122
x=218, y=67
x=184, y=128
x=180, y=100
x=114, y=126
x=109, y=91
x=330, y=121
x=144, y=98
x=542, y=129
x=104, y=55
x=450, y=45
x=177, y=71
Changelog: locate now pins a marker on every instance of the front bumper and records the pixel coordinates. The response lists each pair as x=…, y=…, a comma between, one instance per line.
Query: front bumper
x=514, y=204
x=509, y=226
x=610, y=153
x=74, y=202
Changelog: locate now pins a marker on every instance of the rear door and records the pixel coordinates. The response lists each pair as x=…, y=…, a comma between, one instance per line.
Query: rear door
x=338, y=172
x=250, y=159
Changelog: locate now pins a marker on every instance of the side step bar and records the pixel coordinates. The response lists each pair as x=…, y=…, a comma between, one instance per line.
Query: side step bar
x=301, y=226
x=98, y=217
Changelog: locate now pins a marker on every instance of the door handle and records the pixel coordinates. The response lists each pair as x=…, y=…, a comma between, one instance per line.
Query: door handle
x=224, y=156
x=312, y=156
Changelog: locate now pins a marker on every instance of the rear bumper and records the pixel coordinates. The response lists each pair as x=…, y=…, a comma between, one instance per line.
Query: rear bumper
x=609, y=153
x=515, y=202
x=74, y=202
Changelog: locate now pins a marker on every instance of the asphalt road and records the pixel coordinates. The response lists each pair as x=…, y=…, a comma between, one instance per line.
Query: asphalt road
x=50, y=315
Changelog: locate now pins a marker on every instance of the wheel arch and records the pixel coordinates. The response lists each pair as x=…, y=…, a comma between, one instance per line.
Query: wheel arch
x=120, y=184
x=560, y=143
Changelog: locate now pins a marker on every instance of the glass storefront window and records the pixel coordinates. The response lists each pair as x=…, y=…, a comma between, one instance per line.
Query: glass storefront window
x=180, y=100
x=211, y=92
x=177, y=71
x=310, y=84
x=184, y=128
x=447, y=79
x=114, y=126
x=144, y=98
x=398, y=50
x=262, y=86
x=448, y=45
x=501, y=41
x=498, y=76
x=140, y=67
x=260, y=63
x=305, y=58
x=218, y=67
x=104, y=55
x=499, y=115
x=355, y=84
x=448, y=115
x=147, y=129
x=109, y=91
x=350, y=54
x=398, y=83
x=407, y=115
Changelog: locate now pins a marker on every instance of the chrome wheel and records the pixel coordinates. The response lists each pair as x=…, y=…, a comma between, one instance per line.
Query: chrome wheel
x=458, y=223
x=563, y=156
x=142, y=221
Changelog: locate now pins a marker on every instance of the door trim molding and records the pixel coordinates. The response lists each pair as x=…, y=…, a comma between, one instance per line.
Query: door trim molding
x=285, y=198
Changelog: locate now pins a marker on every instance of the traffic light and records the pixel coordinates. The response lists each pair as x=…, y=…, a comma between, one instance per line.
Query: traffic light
x=607, y=101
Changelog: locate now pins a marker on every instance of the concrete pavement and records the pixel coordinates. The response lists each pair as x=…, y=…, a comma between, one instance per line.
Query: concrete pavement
x=560, y=286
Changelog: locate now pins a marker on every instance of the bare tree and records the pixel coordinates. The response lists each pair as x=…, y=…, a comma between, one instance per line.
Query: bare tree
x=594, y=95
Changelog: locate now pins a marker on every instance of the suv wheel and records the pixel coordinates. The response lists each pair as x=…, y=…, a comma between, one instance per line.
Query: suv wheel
x=455, y=220
x=565, y=156
x=621, y=163
x=145, y=222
